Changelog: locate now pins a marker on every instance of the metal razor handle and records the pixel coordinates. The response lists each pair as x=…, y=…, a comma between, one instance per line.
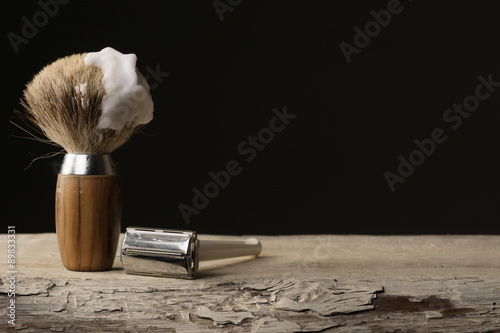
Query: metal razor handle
x=214, y=250
x=176, y=253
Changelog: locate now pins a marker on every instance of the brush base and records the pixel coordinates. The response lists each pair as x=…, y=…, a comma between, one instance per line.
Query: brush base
x=88, y=217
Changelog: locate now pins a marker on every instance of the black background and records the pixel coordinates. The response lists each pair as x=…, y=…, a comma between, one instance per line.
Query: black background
x=325, y=172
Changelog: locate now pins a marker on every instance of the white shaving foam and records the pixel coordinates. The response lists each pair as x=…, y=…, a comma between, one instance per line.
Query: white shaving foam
x=82, y=89
x=127, y=100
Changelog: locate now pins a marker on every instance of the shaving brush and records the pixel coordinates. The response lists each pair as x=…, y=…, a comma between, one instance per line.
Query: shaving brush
x=89, y=104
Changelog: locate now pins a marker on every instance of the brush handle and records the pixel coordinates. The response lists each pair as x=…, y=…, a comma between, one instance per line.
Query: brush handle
x=88, y=215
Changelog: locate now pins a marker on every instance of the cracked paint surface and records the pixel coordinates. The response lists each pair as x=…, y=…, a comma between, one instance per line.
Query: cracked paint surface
x=256, y=307
x=300, y=284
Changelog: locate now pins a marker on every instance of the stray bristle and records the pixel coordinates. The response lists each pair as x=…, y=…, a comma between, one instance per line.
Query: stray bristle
x=67, y=115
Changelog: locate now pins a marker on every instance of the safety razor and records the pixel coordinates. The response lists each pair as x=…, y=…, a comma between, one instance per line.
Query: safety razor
x=176, y=253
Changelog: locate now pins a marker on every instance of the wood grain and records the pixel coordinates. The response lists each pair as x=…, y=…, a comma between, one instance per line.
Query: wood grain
x=88, y=216
x=323, y=283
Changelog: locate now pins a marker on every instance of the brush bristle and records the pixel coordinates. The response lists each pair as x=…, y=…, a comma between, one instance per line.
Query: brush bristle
x=65, y=115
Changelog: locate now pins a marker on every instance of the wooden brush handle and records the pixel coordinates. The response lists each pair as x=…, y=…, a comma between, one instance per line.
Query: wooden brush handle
x=88, y=215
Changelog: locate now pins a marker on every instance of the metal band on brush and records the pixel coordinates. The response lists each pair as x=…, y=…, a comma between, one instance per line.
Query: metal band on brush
x=83, y=164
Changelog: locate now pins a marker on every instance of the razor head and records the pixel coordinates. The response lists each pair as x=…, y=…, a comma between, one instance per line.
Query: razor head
x=160, y=252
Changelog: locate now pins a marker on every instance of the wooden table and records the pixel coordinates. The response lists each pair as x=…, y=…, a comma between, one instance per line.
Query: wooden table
x=313, y=283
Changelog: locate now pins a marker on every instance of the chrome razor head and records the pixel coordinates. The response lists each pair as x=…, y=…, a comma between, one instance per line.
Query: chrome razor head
x=160, y=252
